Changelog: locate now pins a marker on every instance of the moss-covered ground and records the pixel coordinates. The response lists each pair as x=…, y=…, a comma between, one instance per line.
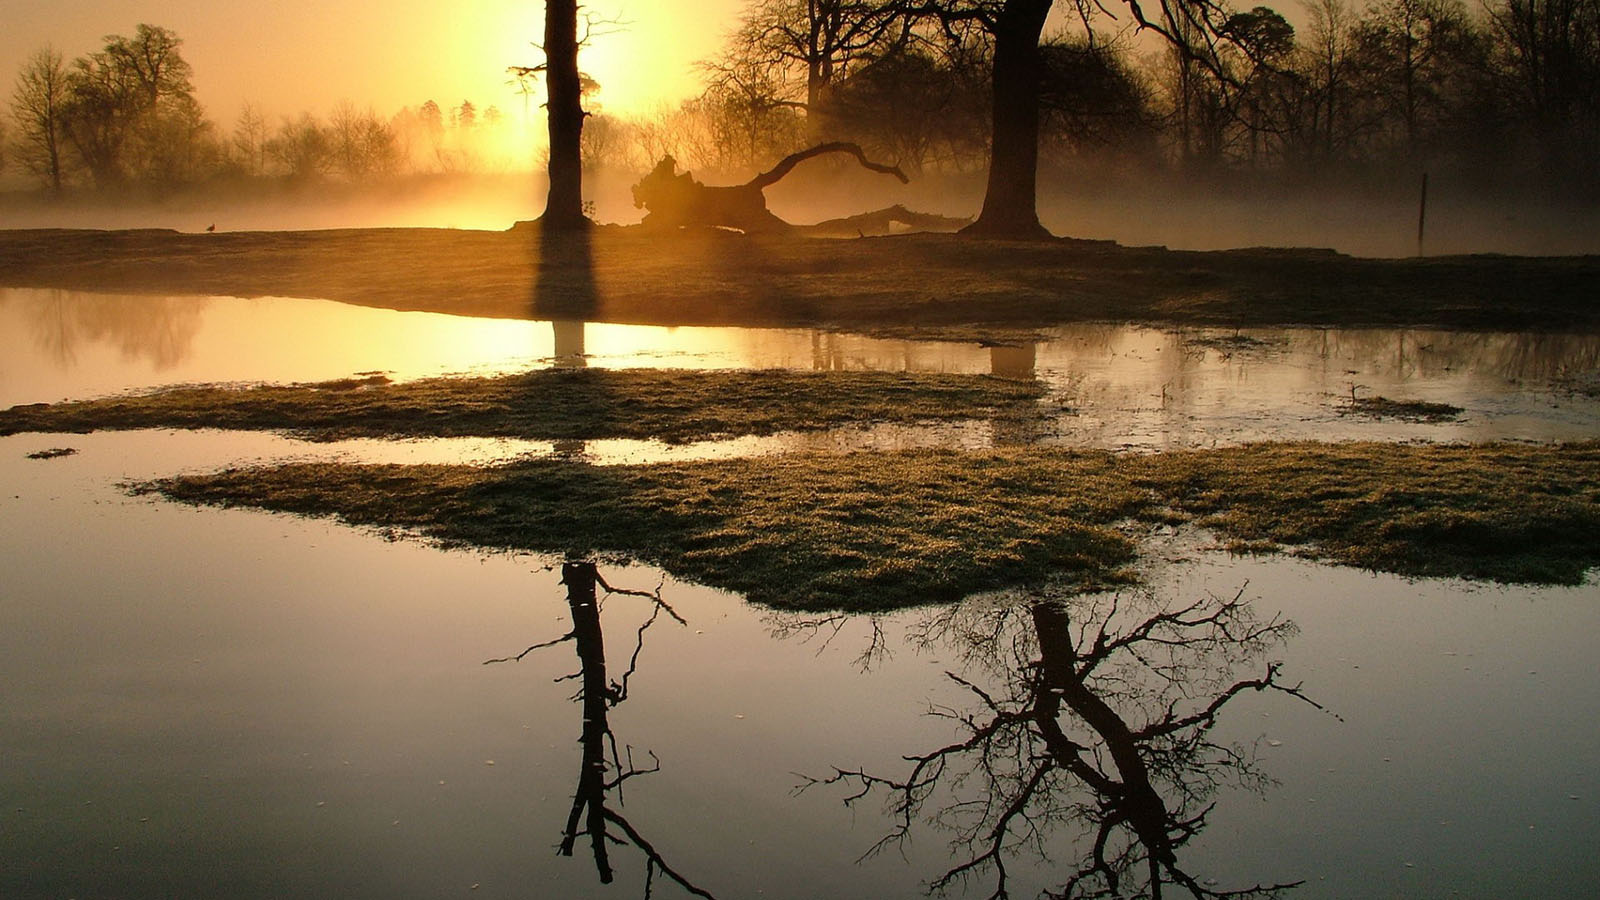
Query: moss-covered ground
x=555, y=404
x=874, y=531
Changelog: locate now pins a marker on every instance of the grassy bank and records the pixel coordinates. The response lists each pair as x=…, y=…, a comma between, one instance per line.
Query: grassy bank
x=920, y=285
x=555, y=404
x=883, y=531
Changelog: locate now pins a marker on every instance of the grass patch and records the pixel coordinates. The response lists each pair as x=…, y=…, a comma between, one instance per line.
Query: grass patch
x=1408, y=410
x=554, y=404
x=922, y=285
x=53, y=453
x=885, y=531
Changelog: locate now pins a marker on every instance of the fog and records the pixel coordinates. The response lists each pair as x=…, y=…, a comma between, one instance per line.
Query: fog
x=1373, y=222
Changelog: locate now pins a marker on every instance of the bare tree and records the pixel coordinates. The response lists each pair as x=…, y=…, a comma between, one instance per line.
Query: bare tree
x=1101, y=723
x=38, y=105
x=813, y=43
x=301, y=147
x=250, y=140
x=603, y=770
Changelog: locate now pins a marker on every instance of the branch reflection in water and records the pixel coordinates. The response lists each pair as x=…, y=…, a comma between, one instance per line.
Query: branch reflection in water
x=604, y=769
x=1092, y=715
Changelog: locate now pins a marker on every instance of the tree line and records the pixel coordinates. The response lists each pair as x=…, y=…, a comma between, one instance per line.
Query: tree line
x=1508, y=93
x=1505, y=90
x=125, y=118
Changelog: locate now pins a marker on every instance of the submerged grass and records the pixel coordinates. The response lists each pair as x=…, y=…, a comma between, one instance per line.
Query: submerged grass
x=1409, y=410
x=889, y=530
x=554, y=404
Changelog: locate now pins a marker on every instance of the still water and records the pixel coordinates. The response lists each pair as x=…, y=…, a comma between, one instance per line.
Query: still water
x=203, y=702
x=1112, y=386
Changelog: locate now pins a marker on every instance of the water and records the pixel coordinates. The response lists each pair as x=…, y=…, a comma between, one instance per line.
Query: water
x=1111, y=386
x=204, y=702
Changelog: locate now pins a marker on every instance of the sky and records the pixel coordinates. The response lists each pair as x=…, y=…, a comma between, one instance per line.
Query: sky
x=291, y=55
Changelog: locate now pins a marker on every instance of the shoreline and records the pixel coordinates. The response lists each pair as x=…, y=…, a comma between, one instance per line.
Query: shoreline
x=920, y=286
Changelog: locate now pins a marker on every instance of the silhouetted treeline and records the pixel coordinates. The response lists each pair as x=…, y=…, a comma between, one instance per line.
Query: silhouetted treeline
x=1506, y=94
x=125, y=118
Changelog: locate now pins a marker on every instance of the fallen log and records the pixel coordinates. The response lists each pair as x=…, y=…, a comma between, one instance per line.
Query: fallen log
x=674, y=200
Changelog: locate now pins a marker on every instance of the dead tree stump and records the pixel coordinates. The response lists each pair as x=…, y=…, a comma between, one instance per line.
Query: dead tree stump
x=674, y=200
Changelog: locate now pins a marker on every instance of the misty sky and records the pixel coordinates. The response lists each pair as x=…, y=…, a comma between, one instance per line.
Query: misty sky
x=289, y=55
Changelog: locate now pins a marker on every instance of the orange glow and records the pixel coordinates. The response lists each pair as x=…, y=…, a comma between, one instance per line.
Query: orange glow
x=295, y=55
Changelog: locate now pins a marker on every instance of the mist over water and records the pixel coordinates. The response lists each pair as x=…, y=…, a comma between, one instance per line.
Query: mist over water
x=1373, y=221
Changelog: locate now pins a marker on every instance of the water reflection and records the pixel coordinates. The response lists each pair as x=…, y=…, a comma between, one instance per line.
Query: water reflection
x=157, y=331
x=601, y=776
x=1111, y=386
x=1094, y=717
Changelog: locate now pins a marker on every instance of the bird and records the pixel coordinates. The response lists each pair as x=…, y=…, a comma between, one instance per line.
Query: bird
x=211, y=229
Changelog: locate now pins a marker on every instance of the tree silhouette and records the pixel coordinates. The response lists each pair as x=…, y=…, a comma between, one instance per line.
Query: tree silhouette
x=564, y=204
x=1102, y=723
x=604, y=770
x=39, y=105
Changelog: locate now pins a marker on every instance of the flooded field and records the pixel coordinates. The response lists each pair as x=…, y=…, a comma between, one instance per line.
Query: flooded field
x=205, y=702
x=1112, y=386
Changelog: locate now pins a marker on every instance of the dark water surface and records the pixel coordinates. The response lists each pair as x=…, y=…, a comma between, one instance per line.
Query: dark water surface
x=225, y=703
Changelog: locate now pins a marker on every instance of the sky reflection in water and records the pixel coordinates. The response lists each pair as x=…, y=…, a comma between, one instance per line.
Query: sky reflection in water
x=225, y=703
x=1113, y=386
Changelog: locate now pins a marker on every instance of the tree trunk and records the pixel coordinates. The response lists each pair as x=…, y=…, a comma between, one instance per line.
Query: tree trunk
x=580, y=580
x=564, y=205
x=1010, y=207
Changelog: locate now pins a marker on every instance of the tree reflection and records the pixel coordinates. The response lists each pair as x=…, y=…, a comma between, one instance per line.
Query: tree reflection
x=160, y=330
x=604, y=769
x=1101, y=724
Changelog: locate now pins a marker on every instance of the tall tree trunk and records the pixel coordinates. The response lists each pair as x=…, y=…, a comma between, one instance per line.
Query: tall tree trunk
x=564, y=205
x=1010, y=206
x=580, y=580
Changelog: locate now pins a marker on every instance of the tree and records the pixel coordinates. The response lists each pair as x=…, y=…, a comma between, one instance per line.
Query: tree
x=38, y=105
x=1100, y=720
x=131, y=110
x=1547, y=56
x=360, y=144
x=813, y=43
x=1328, y=53
x=1414, y=55
x=250, y=140
x=301, y=147
x=1010, y=205
x=592, y=814
x=564, y=204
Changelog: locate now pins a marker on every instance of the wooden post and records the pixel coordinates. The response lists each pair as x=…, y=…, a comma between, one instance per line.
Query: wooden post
x=1422, y=213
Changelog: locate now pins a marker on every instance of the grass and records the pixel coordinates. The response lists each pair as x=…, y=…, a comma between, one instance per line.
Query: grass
x=554, y=404
x=884, y=531
x=922, y=285
x=1409, y=410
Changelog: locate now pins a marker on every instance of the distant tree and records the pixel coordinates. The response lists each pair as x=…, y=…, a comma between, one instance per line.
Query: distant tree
x=1091, y=99
x=432, y=120
x=301, y=147
x=885, y=106
x=360, y=144
x=809, y=47
x=250, y=140
x=1327, y=67
x=1414, y=57
x=153, y=59
x=102, y=103
x=131, y=110
x=1547, y=57
x=38, y=106
x=465, y=115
